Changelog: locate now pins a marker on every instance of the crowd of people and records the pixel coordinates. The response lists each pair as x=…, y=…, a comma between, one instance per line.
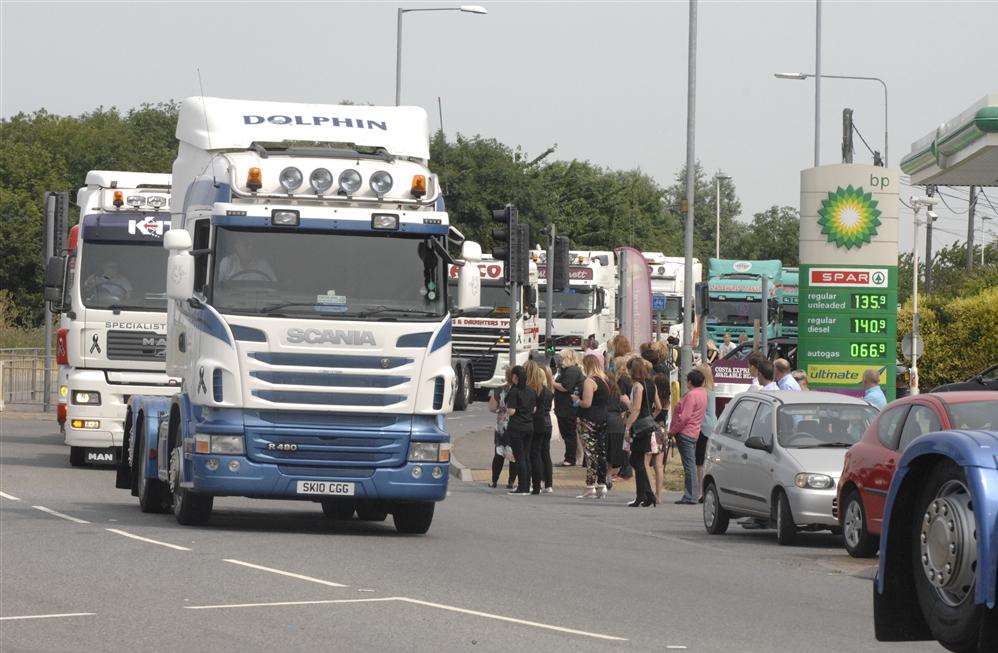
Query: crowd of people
x=620, y=415
x=613, y=412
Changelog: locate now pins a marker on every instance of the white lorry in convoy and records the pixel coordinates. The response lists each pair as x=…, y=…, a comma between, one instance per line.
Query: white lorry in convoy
x=307, y=317
x=667, y=286
x=482, y=327
x=111, y=290
x=588, y=307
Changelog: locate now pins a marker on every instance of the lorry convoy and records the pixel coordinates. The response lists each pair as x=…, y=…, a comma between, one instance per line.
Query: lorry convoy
x=588, y=307
x=735, y=293
x=667, y=286
x=111, y=290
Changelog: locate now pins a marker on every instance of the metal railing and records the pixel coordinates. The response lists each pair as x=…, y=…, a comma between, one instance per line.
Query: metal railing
x=22, y=378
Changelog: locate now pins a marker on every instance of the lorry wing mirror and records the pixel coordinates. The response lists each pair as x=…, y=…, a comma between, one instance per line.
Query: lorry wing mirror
x=55, y=282
x=178, y=240
x=180, y=275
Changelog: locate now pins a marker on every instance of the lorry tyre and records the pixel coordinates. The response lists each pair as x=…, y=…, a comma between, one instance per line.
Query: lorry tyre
x=151, y=491
x=462, y=394
x=786, y=529
x=371, y=511
x=715, y=517
x=190, y=509
x=857, y=539
x=77, y=456
x=413, y=518
x=944, y=565
x=338, y=510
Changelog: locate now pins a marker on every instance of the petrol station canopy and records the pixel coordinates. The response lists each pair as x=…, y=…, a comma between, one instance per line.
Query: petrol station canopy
x=962, y=151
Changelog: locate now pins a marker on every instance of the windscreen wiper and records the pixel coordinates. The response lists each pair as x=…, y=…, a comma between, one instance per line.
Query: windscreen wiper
x=269, y=310
x=380, y=310
x=124, y=307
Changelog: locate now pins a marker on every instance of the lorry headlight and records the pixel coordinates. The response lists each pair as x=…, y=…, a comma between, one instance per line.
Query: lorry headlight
x=290, y=178
x=86, y=398
x=381, y=183
x=284, y=218
x=424, y=452
x=156, y=201
x=385, y=221
x=231, y=445
x=813, y=481
x=349, y=181
x=321, y=180
x=136, y=200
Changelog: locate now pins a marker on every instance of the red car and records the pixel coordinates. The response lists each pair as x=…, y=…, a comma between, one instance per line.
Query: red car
x=869, y=464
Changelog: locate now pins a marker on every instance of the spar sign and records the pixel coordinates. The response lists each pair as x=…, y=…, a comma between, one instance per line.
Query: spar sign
x=848, y=276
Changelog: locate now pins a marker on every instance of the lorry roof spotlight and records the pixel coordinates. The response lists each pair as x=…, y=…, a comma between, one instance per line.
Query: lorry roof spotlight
x=350, y=181
x=254, y=179
x=381, y=183
x=290, y=179
x=321, y=180
x=156, y=201
x=385, y=222
x=119, y=199
x=284, y=218
x=418, y=186
x=136, y=200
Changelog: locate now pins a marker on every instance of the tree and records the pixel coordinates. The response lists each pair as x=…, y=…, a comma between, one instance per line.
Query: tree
x=773, y=234
x=704, y=213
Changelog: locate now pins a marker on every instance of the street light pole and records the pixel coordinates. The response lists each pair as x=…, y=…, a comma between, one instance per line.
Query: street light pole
x=470, y=9
x=717, y=226
x=860, y=77
x=817, y=83
x=917, y=203
x=686, y=354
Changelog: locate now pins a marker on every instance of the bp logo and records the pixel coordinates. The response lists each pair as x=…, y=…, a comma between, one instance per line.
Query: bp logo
x=849, y=217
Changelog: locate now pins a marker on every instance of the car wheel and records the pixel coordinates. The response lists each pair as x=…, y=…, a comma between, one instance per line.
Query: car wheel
x=859, y=543
x=189, y=509
x=786, y=529
x=715, y=517
x=944, y=558
x=413, y=518
x=338, y=509
x=77, y=456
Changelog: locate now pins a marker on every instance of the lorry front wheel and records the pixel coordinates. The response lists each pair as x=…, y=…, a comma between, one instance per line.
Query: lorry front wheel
x=77, y=456
x=413, y=518
x=190, y=509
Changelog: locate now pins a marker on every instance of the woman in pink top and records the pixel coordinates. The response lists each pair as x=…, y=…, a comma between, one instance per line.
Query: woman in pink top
x=687, y=420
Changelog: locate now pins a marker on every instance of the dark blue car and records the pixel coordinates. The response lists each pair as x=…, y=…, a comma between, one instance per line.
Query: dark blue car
x=939, y=544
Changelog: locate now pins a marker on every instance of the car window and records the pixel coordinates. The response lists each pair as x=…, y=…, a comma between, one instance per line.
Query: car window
x=763, y=425
x=741, y=420
x=889, y=426
x=831, y=425
x=920, y=420
x=975, y=415
x=990, y=374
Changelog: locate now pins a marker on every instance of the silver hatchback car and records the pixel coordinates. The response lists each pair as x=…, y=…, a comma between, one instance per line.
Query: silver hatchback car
x=777, y=456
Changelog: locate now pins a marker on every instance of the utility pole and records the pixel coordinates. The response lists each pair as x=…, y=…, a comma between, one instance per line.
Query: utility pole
x=915, y=331
x=549, y=301
x=440, y=114
x=764, y=289
x=817, y=83
x=686, y=354
x=971, y=210
x=847, y=150
x=929, y=192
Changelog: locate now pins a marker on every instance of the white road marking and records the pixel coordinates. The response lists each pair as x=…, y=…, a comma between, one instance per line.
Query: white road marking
x=284, y=603
x=49, y=616
x=310, y=579
x=146, y=539
x=9, y=496
x=522, y=622
x=60, y=515
x=676, y=647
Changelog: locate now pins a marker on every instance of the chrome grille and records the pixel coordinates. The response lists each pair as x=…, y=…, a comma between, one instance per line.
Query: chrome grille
x=136, y=346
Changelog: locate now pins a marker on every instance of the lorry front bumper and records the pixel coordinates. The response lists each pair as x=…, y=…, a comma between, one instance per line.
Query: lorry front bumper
x=270, y=481
x=110, y=413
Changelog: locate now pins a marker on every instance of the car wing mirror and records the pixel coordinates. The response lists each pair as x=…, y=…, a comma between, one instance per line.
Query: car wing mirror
x=755, y=442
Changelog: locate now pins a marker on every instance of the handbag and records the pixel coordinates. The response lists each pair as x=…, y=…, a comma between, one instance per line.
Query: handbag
x=647, y=422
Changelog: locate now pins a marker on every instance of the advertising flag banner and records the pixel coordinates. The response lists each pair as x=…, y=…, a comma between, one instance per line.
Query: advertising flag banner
x=635, y=295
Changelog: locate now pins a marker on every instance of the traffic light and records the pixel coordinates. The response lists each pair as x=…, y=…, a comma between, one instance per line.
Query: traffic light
x=559, y=266
x=504, y=237
x=519, y=254
x=702, y=299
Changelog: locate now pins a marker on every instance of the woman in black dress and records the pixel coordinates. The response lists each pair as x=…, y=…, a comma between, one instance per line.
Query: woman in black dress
x=540, y=381
x=641, y=427
x=521, y=402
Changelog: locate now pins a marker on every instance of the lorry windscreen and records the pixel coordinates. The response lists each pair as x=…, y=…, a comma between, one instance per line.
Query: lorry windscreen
x=319, y=274
x=494, y=296
x=733, y=312
x=673, y=310
x=572, y=302
x=123, y=275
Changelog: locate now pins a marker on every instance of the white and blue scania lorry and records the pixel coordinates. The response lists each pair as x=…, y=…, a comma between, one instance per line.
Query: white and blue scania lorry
x=307, y=317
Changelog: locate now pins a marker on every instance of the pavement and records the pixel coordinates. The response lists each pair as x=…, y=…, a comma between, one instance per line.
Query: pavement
x=83, y=569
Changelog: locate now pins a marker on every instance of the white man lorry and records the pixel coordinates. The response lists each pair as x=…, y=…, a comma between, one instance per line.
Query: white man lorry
x=111, y=290
x=307, y=317
x=668, y=280
x=482, y=327
x=588, y=307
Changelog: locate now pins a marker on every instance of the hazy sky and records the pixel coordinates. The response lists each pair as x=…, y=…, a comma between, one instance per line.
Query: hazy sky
x=605, y=81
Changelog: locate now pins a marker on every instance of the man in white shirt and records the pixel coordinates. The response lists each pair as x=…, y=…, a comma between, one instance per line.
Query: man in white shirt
x=727, y=346
x=766, y=374
x=784, y=379
x=242, y=265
